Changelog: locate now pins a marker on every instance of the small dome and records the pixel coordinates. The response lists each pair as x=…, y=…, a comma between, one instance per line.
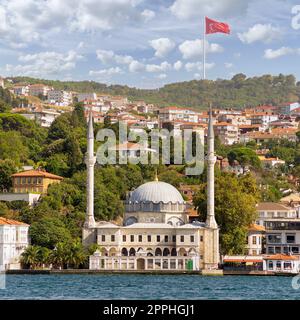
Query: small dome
x=156, y=191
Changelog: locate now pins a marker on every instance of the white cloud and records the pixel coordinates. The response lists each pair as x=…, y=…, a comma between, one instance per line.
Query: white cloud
x=228, y=65
x=177, y=65
x=148, y=15
x=105, y=56
x=136, y=66
x=194, y=48
x=31, y=20
x=162, y=46
x=44, y=64
x=162, y=76
x=260, y=32
x=108, y=56
x=197, y=66
x=105, y=15
x=106, y=72
x=283, y=51
x=197, y=76
x=187, y=9
x=164, y=66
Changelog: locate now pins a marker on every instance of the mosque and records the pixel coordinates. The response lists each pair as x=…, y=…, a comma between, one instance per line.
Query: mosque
x=156, y=234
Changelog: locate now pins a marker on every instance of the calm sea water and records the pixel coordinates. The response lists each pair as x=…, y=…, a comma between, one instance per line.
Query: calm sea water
x=147, y=287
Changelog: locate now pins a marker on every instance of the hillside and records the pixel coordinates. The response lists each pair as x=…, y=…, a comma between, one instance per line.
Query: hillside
x=238, y=92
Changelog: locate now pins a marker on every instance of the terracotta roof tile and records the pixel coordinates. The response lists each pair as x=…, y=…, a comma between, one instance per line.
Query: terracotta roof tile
x=4, y=221
x=280, y=257
x=37, y=173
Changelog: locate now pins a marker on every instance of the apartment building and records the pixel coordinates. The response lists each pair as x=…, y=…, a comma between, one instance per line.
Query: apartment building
x=227, y=133
x=60, y=97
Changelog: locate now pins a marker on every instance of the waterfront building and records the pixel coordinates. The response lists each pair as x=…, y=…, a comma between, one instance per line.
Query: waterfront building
x=255, y=240
x=13, y=241
x=156, y=233
x=281, y=263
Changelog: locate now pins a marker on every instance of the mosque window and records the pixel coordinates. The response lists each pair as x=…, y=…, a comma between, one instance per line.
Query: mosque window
x=192, y=238
x=140, y=238
x=132, y=238
x=149, y=238
x=113, y=238
x=181, y=238
x=174, y=238
x=166, y=238
x=158, y=238
x=201, y=238
x=124, y=237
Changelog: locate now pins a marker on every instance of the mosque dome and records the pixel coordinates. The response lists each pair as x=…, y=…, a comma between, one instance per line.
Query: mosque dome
x=156, y=192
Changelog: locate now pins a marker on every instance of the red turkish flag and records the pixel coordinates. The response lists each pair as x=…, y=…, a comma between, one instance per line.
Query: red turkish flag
x=213, y=26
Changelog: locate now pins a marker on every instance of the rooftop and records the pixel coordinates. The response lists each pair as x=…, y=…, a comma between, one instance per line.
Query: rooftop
x=37, y=173
x=266, y=206
x=4, y=221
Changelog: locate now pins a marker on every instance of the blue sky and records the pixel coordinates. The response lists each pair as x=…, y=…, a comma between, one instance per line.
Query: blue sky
x=146, y=43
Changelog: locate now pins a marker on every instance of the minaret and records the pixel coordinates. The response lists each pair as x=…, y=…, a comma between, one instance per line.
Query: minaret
x=211, y=160
x=90, y=161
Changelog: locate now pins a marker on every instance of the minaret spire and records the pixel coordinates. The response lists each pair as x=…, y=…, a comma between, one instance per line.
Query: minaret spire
x=211, y=160
x=90, y=161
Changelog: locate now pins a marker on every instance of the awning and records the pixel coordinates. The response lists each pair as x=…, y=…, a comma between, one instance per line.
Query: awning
x=242, y=260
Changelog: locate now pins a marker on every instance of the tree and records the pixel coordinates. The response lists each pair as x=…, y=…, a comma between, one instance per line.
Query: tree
x=31, y=256
x=76, y=255
x=7, y=168
x=48, y=231
x=172, y=177
x=12, y=147
x=58, y=256
x=244, y=156
x=235, y=202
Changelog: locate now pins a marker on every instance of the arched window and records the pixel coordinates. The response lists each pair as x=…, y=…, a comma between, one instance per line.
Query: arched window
x=158, y=252
x=130, y=220
x=124, y=252
x=132, y=252
x=173, y=252
x=166, y=252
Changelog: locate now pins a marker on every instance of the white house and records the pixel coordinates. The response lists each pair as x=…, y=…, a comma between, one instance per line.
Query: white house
x=60, y=97
x=86, y=96
x=13, y=241
x=281, y=263
x=45, y=117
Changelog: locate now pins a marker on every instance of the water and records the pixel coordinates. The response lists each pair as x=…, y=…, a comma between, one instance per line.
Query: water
x=108, y=287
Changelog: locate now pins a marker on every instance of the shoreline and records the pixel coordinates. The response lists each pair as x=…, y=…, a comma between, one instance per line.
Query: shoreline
x=146, y=272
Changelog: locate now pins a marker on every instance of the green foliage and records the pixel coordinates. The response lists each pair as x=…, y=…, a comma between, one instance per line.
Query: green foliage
x=7, y=168
x=244, y=156
x=172, y=177
x=12, y=146
x=48, y=231
x=238, y=92
x=235, y=201
x=7, y=100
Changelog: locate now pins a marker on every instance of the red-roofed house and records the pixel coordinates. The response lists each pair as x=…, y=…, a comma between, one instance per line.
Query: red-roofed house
x=13, y=241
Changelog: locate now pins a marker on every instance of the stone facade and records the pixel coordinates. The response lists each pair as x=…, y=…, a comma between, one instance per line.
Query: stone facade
x=156, y=233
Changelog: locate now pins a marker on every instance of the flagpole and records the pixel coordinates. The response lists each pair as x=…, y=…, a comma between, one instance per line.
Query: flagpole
x=204, y=49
